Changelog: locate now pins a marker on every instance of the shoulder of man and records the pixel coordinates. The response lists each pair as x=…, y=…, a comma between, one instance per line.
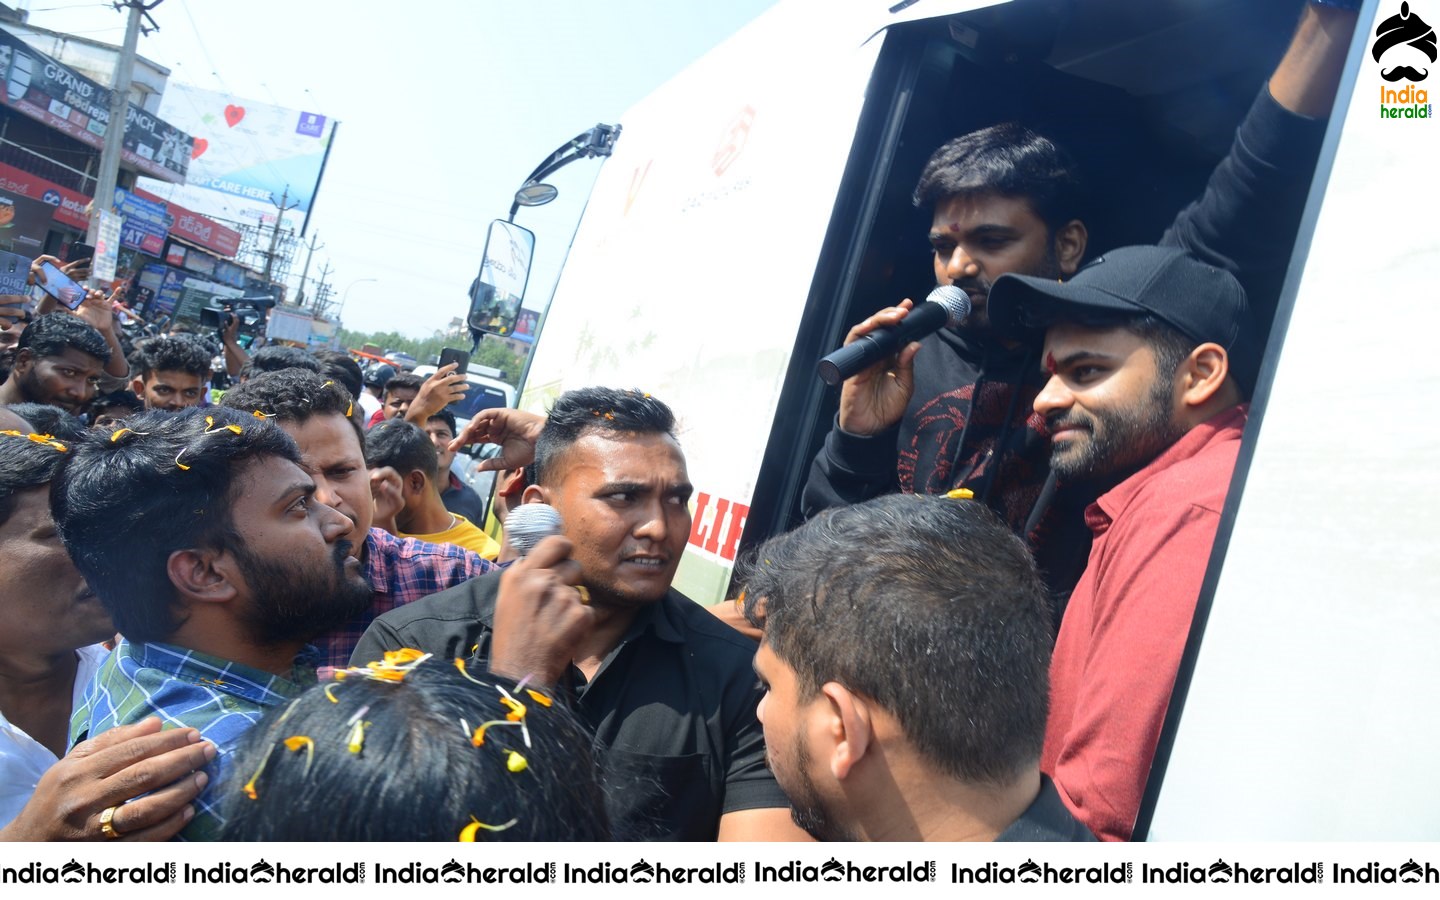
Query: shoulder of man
x=393, y=558
x=435, y=623
x=694, y=622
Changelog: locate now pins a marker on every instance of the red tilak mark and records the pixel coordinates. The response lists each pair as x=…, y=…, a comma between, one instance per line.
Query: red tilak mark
x=1050, y=365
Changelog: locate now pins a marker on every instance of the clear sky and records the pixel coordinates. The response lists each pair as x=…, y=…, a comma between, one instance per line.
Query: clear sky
x=444, y=107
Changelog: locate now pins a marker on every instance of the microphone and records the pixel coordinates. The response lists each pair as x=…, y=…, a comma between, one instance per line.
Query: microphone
x=530, y=523
x=946, y=305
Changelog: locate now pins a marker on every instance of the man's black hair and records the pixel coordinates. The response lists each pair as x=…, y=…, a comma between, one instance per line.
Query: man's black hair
x=403, y=447
x=47, y=419
x=26, y=464
x=405, y=381
x=278, y=358
x=929, y=606
x=124, y=502
x=174, y=353
x=123, y=399
x=342, y=369
x=54, y=333
x=1009, y=160
x=584, y=410
x=421, y=776
x=447, y=417
x=289, y=395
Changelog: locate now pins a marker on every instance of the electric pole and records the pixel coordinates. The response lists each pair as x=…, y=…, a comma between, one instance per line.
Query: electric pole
x=119, y=110
x=313, y=245
x=280, y=210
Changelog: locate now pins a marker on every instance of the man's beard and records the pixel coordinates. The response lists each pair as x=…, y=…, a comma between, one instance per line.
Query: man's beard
x=297, y=602
x=806, y=808
x=1119, y=443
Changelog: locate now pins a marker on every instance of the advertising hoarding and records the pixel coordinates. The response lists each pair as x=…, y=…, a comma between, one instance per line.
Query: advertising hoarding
x=60, y=97
x=248, y=155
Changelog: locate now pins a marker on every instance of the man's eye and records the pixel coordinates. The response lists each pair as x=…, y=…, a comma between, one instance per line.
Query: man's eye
x=302, y=504
x=1085, y=373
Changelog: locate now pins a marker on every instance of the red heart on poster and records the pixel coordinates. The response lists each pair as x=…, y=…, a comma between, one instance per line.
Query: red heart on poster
x=201, y=145
x=233, y=115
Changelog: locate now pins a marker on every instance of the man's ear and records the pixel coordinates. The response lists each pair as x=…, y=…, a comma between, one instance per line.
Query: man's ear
x=511, y=482
x=1202, y=374
x=1069, y=245
x=850, y=727
x=137, y=386
x=203, y=576
x=535, y=494
x=414, y=482
x=24, y=359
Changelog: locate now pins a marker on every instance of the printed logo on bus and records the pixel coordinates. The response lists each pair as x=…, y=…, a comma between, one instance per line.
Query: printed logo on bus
x=1403, y=50
x=733, y=140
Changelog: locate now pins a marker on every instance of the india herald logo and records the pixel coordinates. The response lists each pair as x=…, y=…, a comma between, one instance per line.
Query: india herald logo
x=1409, y=33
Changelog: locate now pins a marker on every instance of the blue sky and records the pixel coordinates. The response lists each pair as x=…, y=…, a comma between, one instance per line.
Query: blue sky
x=444, y=108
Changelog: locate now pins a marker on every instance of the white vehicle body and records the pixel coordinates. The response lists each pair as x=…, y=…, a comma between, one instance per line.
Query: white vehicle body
x=753, y=209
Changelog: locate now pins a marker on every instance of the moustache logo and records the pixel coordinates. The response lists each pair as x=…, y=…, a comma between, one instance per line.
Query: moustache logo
x=1404, y=72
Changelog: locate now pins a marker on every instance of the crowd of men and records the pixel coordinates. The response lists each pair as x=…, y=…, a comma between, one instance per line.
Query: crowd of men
x=277, y=616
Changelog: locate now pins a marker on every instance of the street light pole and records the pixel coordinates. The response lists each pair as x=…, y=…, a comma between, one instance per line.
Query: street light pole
x=345, y=297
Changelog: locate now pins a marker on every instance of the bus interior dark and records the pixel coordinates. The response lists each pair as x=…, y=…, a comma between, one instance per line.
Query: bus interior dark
x=1145, y=96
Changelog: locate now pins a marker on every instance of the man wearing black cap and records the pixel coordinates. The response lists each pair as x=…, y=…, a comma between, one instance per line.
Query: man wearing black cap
x=375, y=381
x=1145, y=407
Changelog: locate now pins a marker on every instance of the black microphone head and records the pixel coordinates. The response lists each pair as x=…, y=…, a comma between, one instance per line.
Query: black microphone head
x=955, y=301
x=530, y=523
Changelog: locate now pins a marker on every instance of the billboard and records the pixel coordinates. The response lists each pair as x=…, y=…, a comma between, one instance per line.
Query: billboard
x=60, y=97
x=247, y=154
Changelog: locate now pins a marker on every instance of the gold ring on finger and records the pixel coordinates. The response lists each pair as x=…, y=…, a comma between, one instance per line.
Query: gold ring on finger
x=107, y=823
x=584, y=594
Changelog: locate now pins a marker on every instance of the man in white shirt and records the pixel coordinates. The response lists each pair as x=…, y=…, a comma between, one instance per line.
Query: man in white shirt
x=51, y=626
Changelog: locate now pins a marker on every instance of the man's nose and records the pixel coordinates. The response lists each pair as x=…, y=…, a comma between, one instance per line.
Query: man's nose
x=653, y=524
x=333, y=524
x=324, y=494
x=961, y=265
x=1054, y=397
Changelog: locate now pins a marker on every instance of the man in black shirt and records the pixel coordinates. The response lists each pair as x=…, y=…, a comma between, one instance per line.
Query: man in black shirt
x=907, y=641
x=667, y=688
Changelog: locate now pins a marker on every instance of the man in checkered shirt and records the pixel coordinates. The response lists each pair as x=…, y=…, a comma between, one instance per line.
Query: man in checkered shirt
x=202, y=536
x=319, y=416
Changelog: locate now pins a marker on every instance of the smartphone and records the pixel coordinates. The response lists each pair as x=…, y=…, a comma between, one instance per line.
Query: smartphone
x=80, y=251
x=58, y=285
x=450, y=355
x=14, y=274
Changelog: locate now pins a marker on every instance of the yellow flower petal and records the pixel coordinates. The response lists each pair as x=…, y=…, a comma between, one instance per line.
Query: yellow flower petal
x=357, y=736
x=295, y=742
x=329, y=696
x=515, y=762
x=539, y=698
x=467, y=834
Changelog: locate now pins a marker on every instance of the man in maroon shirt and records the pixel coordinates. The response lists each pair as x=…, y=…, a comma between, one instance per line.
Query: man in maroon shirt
x=1148, y=359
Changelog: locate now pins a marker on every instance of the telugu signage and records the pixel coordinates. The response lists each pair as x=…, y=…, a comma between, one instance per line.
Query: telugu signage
x=53, y=93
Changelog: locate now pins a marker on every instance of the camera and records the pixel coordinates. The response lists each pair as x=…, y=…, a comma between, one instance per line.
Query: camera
x=249, y=310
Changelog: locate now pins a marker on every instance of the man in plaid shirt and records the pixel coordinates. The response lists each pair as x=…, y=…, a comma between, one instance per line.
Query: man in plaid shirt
x=238, y=567
x=319, y=416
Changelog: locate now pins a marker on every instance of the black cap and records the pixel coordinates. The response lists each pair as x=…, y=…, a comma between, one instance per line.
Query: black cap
x=380, y=375
x=1198, y=300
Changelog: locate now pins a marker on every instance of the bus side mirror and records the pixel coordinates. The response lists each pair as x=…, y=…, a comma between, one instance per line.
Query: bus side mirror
x=496, y=293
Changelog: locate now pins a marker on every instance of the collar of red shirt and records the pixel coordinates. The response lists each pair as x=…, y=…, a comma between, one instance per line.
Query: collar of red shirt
x=1227, y=424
